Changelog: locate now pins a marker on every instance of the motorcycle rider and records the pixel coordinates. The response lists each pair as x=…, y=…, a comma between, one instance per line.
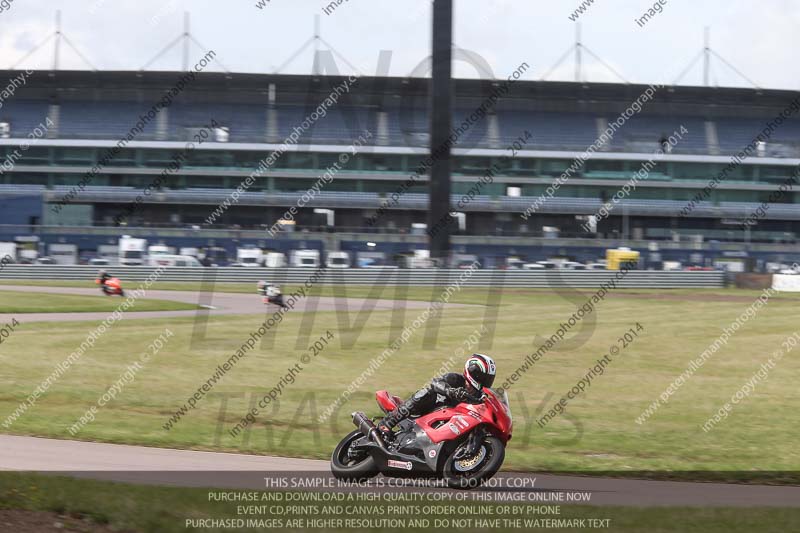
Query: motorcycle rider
x=447, y=390
x=272, y=294
x=103, y=276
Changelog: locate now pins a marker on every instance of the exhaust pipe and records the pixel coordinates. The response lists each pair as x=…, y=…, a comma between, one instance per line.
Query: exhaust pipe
x=367, y=427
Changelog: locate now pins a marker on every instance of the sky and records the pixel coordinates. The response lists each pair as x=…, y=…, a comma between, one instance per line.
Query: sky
x=759, y=38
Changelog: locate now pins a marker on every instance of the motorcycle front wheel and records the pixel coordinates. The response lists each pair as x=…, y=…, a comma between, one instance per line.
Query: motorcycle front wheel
x=472, y=472
x=345, y=466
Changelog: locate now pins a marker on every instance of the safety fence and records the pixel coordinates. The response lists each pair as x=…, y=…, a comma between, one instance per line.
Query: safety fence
x=371, y=276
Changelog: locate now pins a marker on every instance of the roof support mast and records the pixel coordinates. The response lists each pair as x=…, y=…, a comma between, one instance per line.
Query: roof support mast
x=579, y=48
x=578, y=65
x=187, y=39
x=707, y=54
x=57, y=46
x=58, y=35
x=187, y=35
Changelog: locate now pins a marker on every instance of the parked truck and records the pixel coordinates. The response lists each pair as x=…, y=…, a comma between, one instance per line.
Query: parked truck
x=418, y=259
x=160, y=249
x=132, y=251
x=337, y=260
x=305, y=258
x=8, y=250
x=274, y=260
x=249, y=257
x=64, y=254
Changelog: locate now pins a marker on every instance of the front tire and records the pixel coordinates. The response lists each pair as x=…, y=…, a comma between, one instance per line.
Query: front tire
x=472, y=472
x=345, y=467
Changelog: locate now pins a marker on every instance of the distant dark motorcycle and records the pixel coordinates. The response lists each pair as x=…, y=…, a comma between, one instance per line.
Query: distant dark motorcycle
x=271, y=294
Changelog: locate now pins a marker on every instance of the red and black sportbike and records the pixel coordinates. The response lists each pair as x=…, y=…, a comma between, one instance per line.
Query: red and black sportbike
x=110, y=286
x=464, y=445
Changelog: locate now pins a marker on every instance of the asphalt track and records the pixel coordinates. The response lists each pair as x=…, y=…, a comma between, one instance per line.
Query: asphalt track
x=158, y=466
x=222, y=303
x=139, y=464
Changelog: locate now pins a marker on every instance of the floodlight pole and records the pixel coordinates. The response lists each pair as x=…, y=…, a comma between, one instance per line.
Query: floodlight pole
x=439, y=222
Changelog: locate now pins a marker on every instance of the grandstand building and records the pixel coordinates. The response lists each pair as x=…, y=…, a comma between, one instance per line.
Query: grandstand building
x=714, y=162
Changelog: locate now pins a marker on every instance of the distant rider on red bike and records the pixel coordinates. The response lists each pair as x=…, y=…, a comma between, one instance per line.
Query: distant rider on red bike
x=447, y=390
x=109, y=285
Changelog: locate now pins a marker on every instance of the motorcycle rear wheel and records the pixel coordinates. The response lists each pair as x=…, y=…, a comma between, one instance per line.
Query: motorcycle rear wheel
x=459, y=474
x=343, y=467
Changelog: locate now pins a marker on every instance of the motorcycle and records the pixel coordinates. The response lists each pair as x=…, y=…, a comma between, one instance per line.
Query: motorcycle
x=271, y=294
x=463, y=445
x=111, y=286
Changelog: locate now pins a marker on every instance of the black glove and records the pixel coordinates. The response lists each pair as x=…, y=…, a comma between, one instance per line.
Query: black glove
x=459, y=394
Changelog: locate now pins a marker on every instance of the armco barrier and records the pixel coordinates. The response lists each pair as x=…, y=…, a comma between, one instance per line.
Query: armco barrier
x=370, y=276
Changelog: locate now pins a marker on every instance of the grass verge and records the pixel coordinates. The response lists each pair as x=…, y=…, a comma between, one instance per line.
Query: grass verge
x=31, y=302
x=149, y=509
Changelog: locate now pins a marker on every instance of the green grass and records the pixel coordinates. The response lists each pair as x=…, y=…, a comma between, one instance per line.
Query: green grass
x=597, y=434
x=149, y=509
x=30, y=302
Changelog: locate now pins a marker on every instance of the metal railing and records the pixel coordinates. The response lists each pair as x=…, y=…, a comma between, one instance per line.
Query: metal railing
x=636, y=279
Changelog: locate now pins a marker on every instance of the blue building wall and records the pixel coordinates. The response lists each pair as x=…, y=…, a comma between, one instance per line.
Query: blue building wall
x=21, y=209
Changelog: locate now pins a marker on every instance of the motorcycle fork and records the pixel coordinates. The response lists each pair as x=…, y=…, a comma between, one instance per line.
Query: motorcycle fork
x=473, y=442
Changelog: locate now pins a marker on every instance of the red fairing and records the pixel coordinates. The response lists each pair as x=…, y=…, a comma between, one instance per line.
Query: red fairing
x=502, y=418
x=114, y=283
x=451, y=423
x=387, y=401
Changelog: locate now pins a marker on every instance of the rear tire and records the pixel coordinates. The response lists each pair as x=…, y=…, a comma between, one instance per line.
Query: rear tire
x=489, y=459
x=343, y=467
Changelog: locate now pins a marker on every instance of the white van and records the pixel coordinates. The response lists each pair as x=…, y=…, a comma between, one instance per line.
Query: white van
x=171, y=260
x=305, y=258
x=338, y=260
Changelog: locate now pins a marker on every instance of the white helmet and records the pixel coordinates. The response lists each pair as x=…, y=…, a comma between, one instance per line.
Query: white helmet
x=479, y=371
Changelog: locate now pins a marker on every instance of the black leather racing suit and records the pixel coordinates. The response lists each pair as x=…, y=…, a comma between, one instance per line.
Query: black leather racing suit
x=447, y=390
x=105, y=276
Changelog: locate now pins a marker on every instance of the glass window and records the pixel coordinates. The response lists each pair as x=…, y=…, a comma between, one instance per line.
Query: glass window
x=157, y=158
x=35, y=155
x=556, y=167
x=74, y=156
x=301, y=161
x=124, y=158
